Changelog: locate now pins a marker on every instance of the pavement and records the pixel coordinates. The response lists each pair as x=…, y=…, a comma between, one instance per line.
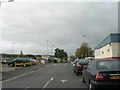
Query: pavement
x=58, y=75
x=6, y=68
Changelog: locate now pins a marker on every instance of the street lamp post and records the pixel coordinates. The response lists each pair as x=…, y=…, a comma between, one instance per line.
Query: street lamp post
x=87, y=48
x=4, y=1
x=52, y=49
x=47, y=48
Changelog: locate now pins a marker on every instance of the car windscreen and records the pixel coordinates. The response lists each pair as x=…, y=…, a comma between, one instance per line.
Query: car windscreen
x=16, y=59
x=83, y=61
x=108, y=64
x=75, y=61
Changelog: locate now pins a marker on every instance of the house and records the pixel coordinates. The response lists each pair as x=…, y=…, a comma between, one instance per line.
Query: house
x=109, y=48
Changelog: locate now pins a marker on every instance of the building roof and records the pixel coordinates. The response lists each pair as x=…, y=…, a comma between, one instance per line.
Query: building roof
x=113, y=37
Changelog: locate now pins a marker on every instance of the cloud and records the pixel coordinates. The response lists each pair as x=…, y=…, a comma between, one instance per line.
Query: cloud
x=30, y=25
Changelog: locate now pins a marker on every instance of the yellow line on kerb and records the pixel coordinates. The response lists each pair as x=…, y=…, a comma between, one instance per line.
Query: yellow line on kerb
x=25, y=74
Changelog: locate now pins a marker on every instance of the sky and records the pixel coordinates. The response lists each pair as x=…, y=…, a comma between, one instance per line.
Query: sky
x=27, y=26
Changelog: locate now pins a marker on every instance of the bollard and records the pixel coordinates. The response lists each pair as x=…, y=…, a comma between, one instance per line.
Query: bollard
x=15, y=66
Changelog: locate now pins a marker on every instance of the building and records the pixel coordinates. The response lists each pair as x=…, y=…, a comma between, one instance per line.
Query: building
x=45, y=57
x=109, y=48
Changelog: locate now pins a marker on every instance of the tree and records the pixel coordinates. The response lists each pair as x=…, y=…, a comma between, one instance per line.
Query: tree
x=84, y=51
x=61, y=54
x=72, y=58
x=21, y=54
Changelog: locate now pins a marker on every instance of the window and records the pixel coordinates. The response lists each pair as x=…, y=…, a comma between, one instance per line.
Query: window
x=108, y=64
x=108, y=50
x=90, y=65
x=110, y=44
x=102, y=52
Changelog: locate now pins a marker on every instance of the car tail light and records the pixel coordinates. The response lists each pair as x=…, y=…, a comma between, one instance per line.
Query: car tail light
x=99, y=77
x=79, y=66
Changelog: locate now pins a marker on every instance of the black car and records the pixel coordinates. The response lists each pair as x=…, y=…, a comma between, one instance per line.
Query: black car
x=102, y=74
x=79, y=65
x=55, y=61
x=19, y=60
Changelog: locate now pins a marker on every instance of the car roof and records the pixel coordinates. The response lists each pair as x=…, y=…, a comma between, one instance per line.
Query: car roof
x=106, y=59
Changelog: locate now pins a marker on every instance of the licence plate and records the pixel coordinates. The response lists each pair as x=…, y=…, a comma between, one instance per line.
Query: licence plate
x=114, y=77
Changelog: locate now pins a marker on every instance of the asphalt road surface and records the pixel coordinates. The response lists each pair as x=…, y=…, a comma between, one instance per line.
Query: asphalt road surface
x=58, y=75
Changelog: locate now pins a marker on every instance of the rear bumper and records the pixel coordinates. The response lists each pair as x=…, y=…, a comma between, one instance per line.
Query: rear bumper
x=79, y=70
x=103, y=84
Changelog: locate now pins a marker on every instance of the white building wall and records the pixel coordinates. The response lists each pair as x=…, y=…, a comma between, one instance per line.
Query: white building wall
x=115, y=49
x=104, y=52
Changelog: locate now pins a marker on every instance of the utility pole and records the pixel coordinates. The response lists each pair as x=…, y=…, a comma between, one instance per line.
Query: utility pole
x=47, y=48
x=4, y=1
x=87, y=48
x=52, y=49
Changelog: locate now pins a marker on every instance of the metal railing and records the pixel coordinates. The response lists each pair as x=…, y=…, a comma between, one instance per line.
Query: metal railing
x=27, y=64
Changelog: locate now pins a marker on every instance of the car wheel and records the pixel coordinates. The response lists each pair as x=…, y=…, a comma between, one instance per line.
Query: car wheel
x=77, y=73
x=81, y=73
x=83, y=79
x=10, y=65
x=90, y=87
x=24, y=65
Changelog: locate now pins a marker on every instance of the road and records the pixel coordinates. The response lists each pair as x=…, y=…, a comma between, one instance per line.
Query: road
x=58, y=75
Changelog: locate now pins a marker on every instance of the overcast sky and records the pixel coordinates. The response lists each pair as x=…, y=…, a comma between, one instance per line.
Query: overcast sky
x=28, y=25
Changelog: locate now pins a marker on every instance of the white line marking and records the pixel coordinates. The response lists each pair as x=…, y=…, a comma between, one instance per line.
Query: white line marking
x=23, y=75
x=48, y=82
x=26, y=88
x=64, y=81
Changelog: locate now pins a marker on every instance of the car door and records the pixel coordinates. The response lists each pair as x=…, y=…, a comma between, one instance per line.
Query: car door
x=18, y=60
x=87, y=72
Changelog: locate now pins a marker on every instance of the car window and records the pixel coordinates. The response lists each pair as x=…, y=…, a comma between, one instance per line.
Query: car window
x=108, y=64
x=90, y=65
x=17, y=60
x=84, y=61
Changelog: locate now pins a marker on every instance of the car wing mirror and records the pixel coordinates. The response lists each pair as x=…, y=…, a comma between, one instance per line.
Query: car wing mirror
x=73, y=64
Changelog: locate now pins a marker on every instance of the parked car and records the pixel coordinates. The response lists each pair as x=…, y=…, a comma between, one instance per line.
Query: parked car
x=4, y=61
x=90, y=58
x=55, y=61
x=61, y=61
x=19, y=60
x=79, y=65
x=102, y=74
x=65, y=61
x=74, y=62
x=43, y=61
x=33, y=61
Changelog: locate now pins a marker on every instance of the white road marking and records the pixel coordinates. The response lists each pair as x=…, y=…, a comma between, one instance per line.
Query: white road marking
x=26, y=88
x=64, y=81
x=24, y=74
x=48, y=82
